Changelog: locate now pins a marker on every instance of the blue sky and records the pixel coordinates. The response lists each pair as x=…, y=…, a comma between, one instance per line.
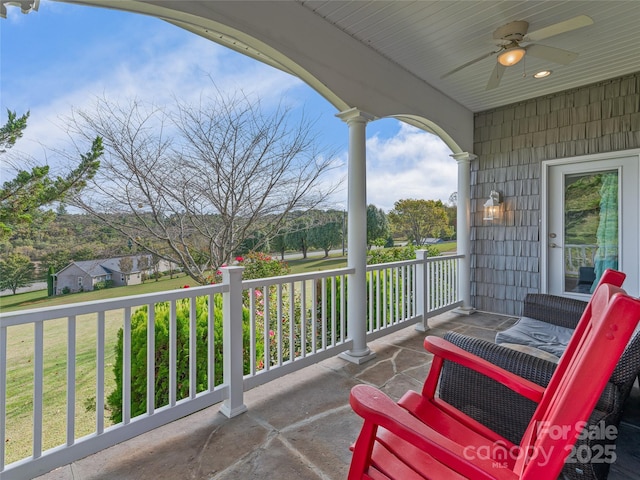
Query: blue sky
x=64, y=56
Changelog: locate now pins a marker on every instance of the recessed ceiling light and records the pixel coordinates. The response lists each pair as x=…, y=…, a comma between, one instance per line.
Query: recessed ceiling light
x=542, y=74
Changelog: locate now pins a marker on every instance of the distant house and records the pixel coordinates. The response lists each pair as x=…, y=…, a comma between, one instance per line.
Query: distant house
x=83, y=276
x=430, y=241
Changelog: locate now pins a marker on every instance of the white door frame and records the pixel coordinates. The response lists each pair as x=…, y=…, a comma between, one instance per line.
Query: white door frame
x=633, y=285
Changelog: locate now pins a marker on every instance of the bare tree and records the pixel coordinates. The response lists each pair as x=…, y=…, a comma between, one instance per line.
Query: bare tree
x=126, y=264
x=191, y=185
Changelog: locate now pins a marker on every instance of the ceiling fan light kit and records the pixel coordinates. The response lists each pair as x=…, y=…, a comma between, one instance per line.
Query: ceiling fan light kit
x=510, y=52
x=511, y=56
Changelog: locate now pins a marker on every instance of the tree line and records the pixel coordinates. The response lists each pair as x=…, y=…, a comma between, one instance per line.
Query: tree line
x=193, y=185
x=66, y=237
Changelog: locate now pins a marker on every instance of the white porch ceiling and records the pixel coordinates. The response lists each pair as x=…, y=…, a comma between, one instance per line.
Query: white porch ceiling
x=431, y=38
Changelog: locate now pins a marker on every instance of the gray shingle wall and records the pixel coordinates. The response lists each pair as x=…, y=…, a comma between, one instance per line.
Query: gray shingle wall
x=511, y=142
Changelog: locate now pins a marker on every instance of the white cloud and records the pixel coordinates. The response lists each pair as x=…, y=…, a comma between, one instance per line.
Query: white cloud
x=166, y=65
x=411, y=164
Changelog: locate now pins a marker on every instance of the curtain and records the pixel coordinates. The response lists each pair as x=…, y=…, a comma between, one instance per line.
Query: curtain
x=607, y=234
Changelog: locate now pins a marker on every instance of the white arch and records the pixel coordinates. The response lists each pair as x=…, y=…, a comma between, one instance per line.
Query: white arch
x=292, y=38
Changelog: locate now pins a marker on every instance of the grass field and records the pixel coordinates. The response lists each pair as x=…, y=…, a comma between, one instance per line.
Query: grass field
x=20, y=358
x=20, y=355
x=39, y=299
x=20, y=376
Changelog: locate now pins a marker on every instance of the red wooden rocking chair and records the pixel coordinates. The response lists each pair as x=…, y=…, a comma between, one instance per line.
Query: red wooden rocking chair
x=423, y=437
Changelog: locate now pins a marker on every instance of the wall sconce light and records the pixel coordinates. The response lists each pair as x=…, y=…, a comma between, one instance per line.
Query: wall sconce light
x=492, y=207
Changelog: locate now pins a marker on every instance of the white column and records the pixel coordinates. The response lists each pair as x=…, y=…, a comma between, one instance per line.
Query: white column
x=233, y=369
x=464, y=230
x=357, y=236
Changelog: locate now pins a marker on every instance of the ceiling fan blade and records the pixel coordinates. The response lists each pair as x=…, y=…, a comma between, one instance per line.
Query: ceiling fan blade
x=551, y=54
x=465, y=65
x=496, y=76
x=558, y=28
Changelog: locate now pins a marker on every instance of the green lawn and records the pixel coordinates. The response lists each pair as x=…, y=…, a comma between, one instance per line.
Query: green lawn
x=316, y=264
x=446, y=247
x=39, y=298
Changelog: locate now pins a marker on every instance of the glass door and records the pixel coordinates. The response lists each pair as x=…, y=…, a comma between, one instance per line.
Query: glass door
x=591, y=240
x=592, y=224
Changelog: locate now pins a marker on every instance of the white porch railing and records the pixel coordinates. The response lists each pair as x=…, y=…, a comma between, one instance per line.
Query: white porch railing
x=185, y=350
x=576, y=256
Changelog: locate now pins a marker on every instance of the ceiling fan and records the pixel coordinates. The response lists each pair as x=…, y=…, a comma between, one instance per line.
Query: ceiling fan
x=509, y=38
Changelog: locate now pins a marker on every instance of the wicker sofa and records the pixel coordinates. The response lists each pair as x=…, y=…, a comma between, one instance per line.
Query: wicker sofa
x=508, y=413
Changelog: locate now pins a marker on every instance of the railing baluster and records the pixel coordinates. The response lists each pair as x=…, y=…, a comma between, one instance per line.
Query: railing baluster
x=100, y=364
x=3, y=392
x=193, y=337
x=396, y=285
x=38, y=390
x=173, y=342
x=267, y=327
x=385, y=296
x=252, y=329
x=71, y=379
x=279, y=322
x=370, y=303
x=414, y=290
x=303, y=322
x=126, y=367
x=375, y=312
x=151, y=358
x=323, y=315
x=292, y=323
x=211, y=361
x=401, y=290
x=333, y=311
x=343, y=309
x=314, y=333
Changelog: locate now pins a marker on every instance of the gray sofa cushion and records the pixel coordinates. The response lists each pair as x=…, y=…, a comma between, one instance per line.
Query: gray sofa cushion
x=544, y=336
x=536, y=352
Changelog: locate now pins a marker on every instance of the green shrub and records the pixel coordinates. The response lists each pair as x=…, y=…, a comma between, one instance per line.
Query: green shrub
x=257, y=265
x=102, y=285
x=261, y=265
x=377, y=304
x=397, y=254
x=161, y=381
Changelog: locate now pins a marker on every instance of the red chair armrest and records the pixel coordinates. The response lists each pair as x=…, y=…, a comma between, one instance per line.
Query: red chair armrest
x=378, y=409
x=445, y=350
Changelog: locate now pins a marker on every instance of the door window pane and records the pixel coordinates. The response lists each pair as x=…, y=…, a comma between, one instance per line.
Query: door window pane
x=590, y=228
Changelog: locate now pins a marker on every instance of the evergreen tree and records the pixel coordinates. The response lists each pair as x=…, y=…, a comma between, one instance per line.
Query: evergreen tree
x=16, y=271
x=21, y=197
x=377, y=226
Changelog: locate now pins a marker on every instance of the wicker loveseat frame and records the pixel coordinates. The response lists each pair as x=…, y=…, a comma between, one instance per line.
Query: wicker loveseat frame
x=509, y=414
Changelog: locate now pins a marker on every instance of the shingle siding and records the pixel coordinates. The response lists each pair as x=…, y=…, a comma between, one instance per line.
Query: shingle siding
x=510, y=144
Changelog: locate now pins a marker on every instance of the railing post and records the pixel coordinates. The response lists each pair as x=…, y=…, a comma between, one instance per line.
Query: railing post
x=421, y=290
x=232, y=342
